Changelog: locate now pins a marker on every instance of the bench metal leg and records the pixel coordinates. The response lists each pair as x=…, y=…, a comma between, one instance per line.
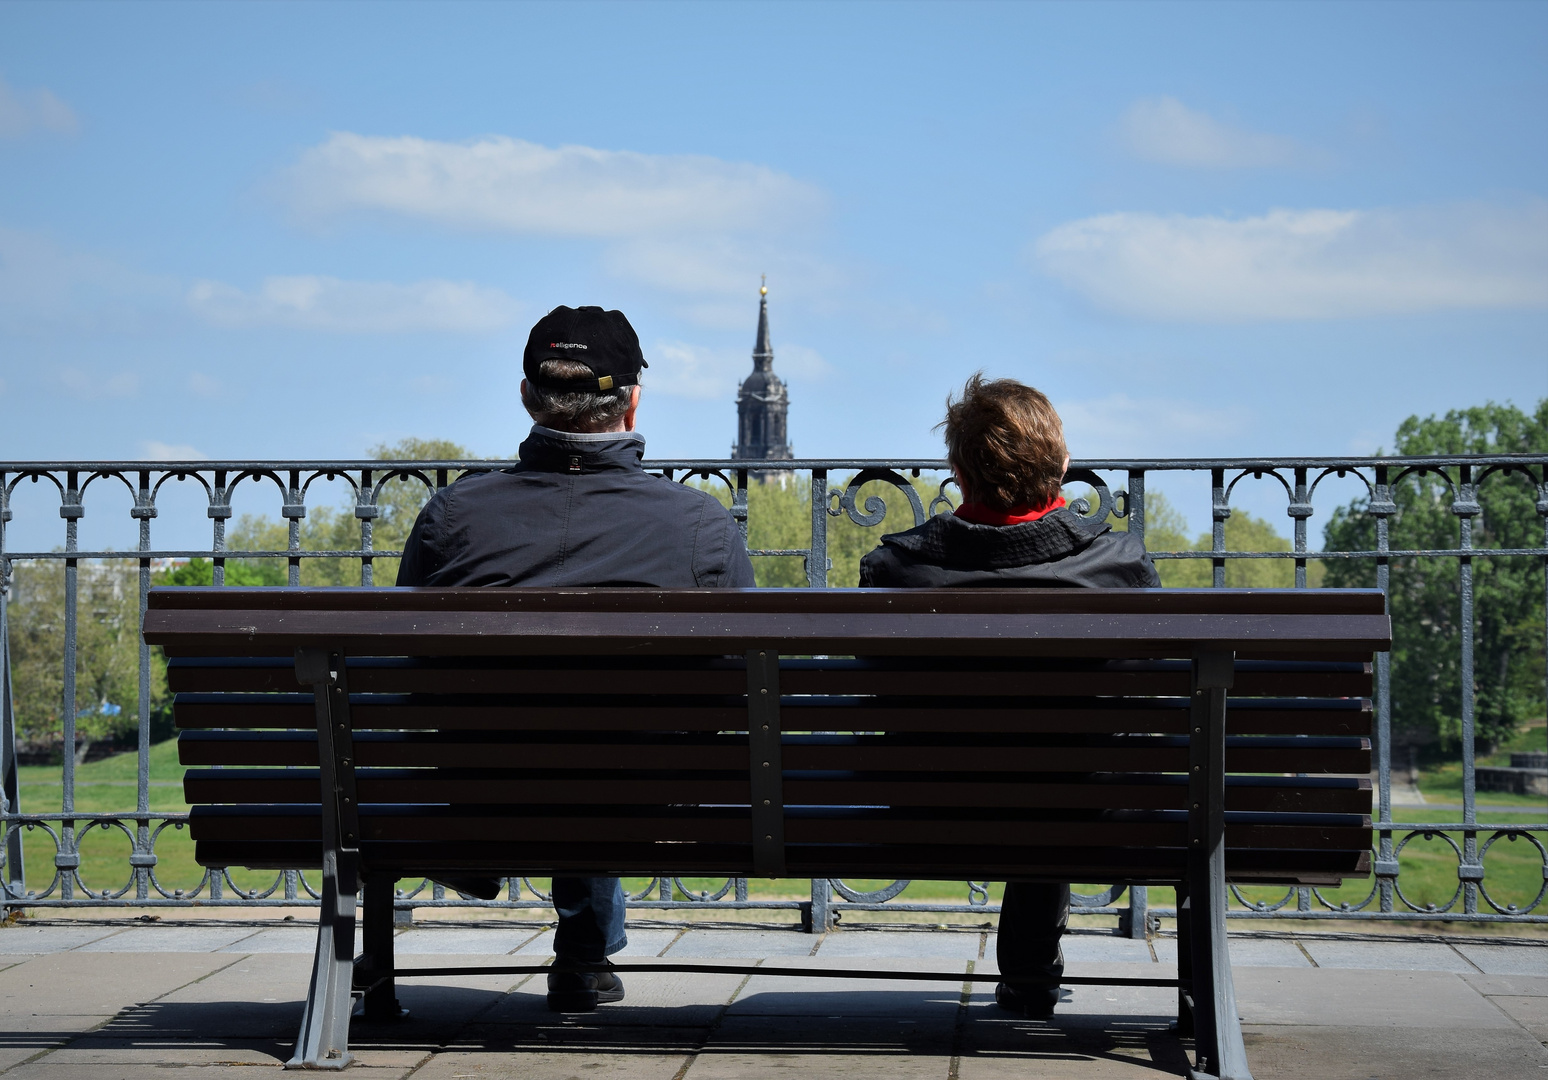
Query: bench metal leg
x=324, y=1039
x=1217, y=1029
x=381, y=994
x=1184, y=962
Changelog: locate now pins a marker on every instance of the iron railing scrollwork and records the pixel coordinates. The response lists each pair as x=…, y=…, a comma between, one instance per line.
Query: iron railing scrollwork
x=873, y=494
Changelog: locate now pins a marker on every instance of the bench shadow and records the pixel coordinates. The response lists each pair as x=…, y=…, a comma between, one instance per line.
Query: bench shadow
x=874, y=1023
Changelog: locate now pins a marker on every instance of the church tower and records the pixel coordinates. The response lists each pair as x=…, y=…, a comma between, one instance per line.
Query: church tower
x=762, y=401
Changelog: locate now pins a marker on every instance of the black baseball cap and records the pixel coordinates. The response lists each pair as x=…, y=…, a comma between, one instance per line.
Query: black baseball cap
x=602, y=340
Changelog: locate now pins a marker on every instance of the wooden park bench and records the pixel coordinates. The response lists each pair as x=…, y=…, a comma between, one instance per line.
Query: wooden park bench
x=1064, y=735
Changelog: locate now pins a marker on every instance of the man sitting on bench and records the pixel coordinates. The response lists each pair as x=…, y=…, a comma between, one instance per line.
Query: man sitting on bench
x=578, y=510
x=1005, y=445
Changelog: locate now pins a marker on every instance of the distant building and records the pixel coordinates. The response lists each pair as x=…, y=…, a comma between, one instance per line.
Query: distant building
x=762, y=402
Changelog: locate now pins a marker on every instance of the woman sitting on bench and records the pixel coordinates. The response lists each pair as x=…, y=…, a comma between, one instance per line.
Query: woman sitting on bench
x=1006, y=447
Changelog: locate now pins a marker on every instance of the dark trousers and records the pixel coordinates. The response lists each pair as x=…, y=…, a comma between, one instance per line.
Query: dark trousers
x=591, y=918
x=1033, y=917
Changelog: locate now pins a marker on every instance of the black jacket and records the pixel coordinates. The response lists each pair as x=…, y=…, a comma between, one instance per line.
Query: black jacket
x=578, y=510
x=1059, y=550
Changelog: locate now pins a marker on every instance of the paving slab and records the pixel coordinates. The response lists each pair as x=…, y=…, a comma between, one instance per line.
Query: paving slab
x=1323, y=997
x=49, y=1000
x=36, y=940
x=1507, y=959
x=44, y=1070
x=1394, y=955
x=752, y=1047
x=546, y=1064
x=647, y=941
x=1130, y=1004
x=794, y=995
x=1092, y=949
x=300, y=938
x=663, y=999
x=717, y=944
x=1261, y=952
x=951, y=945
x=1425, y=1049
x=1513, y=985
x=1068, y=1047
x=466, y=941
x=1530, y=1012
x=175, y=938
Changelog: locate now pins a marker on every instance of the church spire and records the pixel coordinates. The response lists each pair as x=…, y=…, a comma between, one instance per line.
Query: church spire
x=763, y=349
x=762, y=402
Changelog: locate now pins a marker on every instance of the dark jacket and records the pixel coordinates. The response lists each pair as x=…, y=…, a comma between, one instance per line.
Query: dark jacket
x=578, y=510
x=1059, y=550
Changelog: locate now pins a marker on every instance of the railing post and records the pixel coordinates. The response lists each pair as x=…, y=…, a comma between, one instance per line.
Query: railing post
x=66, y=859
x=13, y=870
x=817, y=915
x=1134, y=921
x=1382, y=508
x=1219, y=511
x=1470, y=871
x=1300, y=509
x=1136, y=507
x=294, y=512
x=817, y=561
x=144, y=859
x=366, y=510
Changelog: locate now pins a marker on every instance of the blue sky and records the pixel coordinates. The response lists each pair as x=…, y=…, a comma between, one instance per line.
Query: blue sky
x=296, y=231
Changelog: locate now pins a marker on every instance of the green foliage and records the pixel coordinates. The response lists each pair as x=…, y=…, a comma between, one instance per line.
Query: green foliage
x=1166, y=530
x=329, y=528
x=107, y=665
x=401, y=499
x=779, y=517
x=1426, y=592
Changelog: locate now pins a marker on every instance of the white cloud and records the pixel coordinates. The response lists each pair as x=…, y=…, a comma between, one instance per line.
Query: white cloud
x=690, y=225
x=356, y=307
x=81, y=384
x=680, y=369
x=160, y=451
x=509, y=185
x=1305, y=264
x=800, y=362
x=23, y=112
x=1165, y=130
x=45, y=287
x=1119, y=426
x=204, y=386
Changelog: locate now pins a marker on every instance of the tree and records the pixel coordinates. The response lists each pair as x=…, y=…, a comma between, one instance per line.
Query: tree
x=779, y=517
x=1425, y=592
x=107, y=662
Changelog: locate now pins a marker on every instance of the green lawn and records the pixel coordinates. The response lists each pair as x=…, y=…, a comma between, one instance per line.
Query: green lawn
x=1514, y=869
x=1442, y=783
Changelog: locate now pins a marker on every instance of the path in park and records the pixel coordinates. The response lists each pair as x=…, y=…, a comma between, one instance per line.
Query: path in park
x=118, y=1000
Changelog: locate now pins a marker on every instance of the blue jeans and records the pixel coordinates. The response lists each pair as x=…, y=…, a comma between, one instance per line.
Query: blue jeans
x=591, y=918
x=1033, y=917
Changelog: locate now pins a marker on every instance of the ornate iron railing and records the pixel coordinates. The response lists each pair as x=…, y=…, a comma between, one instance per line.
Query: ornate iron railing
x=1118, y=492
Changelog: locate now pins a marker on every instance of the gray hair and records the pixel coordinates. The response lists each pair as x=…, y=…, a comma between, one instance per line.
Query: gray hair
x=574, y=410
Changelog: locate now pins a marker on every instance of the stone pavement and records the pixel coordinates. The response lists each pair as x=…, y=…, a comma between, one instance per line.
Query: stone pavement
x=116, y=1000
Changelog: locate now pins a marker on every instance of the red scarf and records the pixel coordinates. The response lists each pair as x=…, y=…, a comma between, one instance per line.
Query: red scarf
x=979, y=514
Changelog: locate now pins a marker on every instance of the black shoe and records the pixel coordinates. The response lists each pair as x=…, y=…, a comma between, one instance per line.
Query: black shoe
x=479, y=887
x=583, y=991
x=1033, y=1002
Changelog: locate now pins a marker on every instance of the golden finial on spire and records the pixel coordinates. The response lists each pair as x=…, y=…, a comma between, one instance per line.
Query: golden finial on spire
x=763, y=290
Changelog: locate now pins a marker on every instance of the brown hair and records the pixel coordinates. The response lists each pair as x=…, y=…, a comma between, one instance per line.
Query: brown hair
x=1006, y=443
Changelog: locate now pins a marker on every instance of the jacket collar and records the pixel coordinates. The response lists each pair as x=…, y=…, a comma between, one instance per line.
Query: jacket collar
x=547, y=450
x=952, y=541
